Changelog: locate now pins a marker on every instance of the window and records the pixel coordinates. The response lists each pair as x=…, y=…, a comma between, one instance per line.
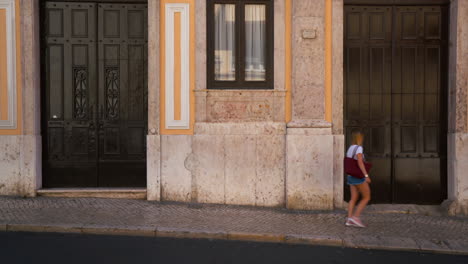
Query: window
x=240, y=44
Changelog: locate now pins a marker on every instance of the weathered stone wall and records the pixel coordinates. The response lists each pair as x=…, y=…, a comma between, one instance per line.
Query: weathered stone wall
x=237, y=152
x=20, y=158
x=311, y=171
x=228, y=163
x=19, y=165
x=153, y=140
x=309, y=168
x=337, y=102
x=245, y=106
x=308, y=70
x=458, y=109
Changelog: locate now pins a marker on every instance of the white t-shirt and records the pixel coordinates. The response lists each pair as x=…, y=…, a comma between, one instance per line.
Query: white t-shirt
x=350, y=151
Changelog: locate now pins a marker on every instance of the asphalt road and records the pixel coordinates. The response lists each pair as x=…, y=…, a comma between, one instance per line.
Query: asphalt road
x=75, y=248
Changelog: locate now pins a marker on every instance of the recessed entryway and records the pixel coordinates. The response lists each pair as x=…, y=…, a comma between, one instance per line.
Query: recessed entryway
x=395, y=87
x=94, y=94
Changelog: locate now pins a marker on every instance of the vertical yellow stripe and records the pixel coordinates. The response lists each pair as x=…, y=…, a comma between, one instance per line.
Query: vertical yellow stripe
x=288, y=62
x=177, y=67
x=3, y=67
x=328, y=60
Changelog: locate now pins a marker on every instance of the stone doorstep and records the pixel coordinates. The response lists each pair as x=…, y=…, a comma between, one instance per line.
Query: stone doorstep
x=115, y=193
x=362, y=242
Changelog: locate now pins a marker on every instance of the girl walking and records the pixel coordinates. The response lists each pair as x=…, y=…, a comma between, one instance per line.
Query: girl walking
x=357, y=186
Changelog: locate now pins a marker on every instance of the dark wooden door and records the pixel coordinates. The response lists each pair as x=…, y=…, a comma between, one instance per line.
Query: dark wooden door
x=395, y=85
x=95, y=96
x=368, y=79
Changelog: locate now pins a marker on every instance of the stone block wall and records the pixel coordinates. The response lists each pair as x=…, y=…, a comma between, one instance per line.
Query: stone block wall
x=20, y=155
x=310, y=178
x=458, y=109
x=228, y=163
x=19, y=164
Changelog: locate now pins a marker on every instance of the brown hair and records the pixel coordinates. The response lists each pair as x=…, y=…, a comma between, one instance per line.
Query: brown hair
x=357, y=138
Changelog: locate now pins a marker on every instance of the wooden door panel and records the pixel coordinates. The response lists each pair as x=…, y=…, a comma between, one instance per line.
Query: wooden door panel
x=395, y=92
x=367, y=59
x=417, y=111
x=96, y=94
x=123, y=94
x=70, y=80
x=417, y=180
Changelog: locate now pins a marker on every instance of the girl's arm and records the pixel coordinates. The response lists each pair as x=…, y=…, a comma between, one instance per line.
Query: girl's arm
x=361, y=165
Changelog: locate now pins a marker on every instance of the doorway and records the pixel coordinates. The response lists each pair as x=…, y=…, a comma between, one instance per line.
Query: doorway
x=94, y=96
x=395, y=91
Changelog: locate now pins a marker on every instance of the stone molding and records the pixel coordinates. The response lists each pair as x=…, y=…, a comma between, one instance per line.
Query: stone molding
x=309, y=123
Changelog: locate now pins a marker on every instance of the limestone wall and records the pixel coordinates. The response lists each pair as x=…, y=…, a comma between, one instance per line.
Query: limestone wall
x=458, y=110
x=20, y=155
x=310, y=144
x=229, y=163
x=242, y=151
x=19, y=165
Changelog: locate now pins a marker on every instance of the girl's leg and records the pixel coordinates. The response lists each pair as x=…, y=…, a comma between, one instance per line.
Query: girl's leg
x=353, y=200
x=365, y=192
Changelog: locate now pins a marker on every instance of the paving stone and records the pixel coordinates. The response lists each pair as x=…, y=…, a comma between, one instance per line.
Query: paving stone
x=439, y=233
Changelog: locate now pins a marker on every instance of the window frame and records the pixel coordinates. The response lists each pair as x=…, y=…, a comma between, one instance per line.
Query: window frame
x=240, y=83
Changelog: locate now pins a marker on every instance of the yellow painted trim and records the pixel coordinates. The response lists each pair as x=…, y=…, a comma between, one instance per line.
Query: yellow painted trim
x=328, y=60
x=177, y=67
x=19, y=95
x=288, y=60
x=3, y=67
x=162, y=97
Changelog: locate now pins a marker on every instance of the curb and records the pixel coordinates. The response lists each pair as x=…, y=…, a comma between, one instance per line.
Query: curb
x=144, y=232
x=454, y=247
x=315, y=240
x=255, y=237
x=194, y=234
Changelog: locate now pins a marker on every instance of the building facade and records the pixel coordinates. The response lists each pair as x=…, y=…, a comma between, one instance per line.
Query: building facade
x=235, y=102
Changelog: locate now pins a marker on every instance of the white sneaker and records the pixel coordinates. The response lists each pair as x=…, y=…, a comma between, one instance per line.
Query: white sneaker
x=356, y=222
x=348, y=222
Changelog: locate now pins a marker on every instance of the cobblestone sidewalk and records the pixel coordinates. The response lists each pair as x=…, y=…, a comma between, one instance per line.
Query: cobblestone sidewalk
x=441, y=234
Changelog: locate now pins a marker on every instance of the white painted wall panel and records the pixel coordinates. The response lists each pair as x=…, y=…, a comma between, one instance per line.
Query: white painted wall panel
x=170, y=10
x=11, y=122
